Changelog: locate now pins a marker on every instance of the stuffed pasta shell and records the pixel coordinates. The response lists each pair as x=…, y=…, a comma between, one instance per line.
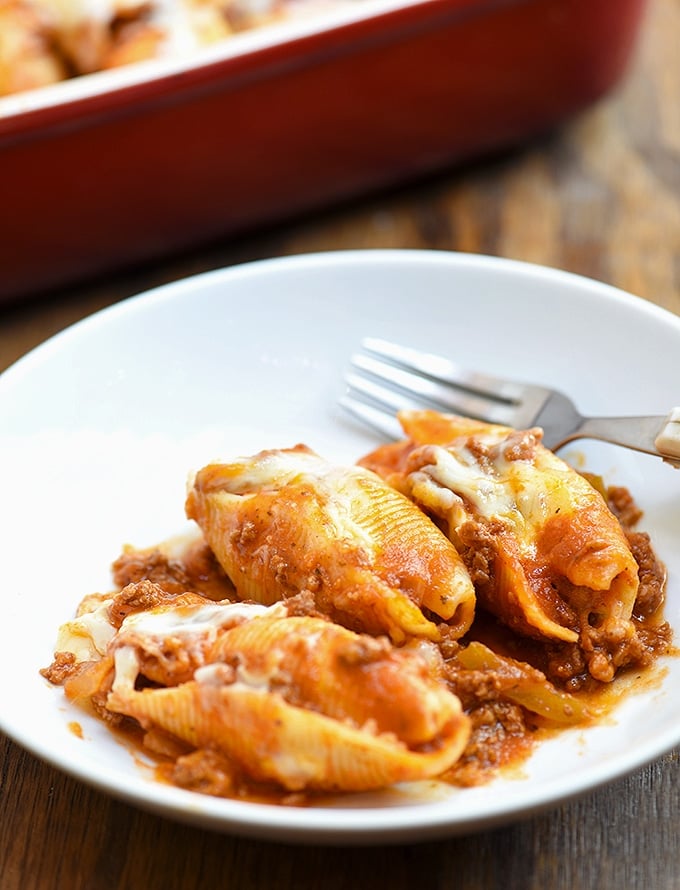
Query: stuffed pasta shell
x=546, y=554
x=290, y=699
x=286, y=521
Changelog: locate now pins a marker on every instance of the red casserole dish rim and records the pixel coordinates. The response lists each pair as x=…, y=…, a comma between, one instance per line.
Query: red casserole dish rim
x=212, y=67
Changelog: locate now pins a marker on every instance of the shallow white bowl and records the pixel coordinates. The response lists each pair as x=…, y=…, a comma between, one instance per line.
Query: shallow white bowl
x=100, y=426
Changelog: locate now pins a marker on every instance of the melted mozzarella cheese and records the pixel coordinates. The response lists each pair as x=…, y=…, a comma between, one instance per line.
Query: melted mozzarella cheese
x=88, y=635
x=184, y=621
x=126, y=665
x=490, y=495
x=194, y=626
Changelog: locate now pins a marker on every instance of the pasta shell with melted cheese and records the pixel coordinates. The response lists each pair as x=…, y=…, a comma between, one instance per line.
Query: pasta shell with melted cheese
x=544, y=550
x=286, y=521
x=299, y=701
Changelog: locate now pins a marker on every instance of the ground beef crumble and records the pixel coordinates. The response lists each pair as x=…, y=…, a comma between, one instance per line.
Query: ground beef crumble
x=63, y=667
x=150, y=565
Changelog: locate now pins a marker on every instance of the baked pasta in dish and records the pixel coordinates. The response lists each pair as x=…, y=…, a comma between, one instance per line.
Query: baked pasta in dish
x=45, y=41
x=430, y=612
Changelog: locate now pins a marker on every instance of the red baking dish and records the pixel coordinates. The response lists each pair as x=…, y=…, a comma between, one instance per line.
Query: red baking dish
x=112, y=169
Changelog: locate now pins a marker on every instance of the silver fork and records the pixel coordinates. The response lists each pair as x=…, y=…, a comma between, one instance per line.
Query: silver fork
x=386, y=378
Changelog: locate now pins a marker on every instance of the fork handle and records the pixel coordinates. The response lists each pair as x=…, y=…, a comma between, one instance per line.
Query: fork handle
x=655, y=435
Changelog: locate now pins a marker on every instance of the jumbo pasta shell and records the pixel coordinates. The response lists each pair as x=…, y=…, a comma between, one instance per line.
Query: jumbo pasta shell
x=347, y=676
x=561, y=564
x=530, y=608
x=287, y=521
x=272, y=740
x=303, y=702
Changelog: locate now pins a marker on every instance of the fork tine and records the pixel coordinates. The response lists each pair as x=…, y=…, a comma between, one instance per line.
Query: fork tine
x=410, y=379
x=443, y=369
x=372, y=391
x=406, y=389
x=376, y=418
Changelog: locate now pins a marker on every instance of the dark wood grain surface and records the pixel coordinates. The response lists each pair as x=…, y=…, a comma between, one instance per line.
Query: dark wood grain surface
x=601, y=198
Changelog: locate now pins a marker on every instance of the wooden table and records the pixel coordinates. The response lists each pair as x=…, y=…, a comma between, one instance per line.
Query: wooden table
x=601, y=198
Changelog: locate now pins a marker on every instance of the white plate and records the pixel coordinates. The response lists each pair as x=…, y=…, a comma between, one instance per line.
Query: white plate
x=100, y=425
